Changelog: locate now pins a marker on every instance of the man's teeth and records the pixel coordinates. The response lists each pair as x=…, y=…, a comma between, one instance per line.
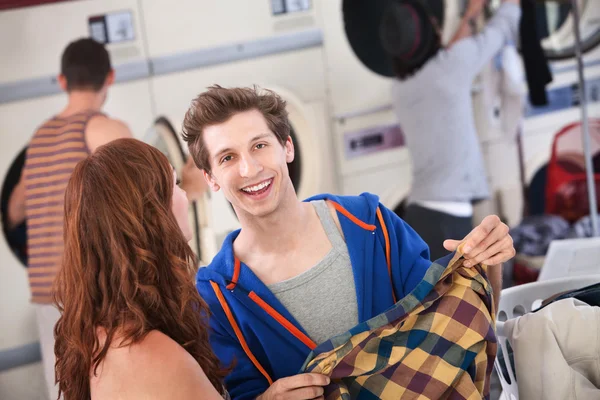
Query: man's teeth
x=257, y=187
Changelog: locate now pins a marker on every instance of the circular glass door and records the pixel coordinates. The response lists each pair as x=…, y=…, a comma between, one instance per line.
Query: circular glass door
x=555, y=26
x=16, y=237
x=163, y=137
x=361, y=24
x=295, y=167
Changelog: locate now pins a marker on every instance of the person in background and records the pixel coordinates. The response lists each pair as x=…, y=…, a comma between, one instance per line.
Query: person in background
x=53, y=151
x=133, y=325
x=432, y=101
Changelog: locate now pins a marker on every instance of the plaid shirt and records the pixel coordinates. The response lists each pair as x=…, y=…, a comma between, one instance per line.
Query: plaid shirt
x=436, y=343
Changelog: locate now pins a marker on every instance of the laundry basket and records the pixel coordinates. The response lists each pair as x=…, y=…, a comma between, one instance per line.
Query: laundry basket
x=566, y=179
x=517, y=301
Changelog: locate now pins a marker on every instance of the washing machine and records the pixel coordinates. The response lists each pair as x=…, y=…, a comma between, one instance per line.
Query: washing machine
x=33, y=40
x=276, y=45
x=368, y=137
x=540, y=124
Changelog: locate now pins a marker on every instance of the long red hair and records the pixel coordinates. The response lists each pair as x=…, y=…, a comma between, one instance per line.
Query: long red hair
x=127, y=266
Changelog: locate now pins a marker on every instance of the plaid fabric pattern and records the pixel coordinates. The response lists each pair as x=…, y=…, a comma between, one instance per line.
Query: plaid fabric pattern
x=438, y=342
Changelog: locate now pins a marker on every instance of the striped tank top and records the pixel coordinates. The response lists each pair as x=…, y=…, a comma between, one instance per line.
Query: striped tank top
x=53, y=152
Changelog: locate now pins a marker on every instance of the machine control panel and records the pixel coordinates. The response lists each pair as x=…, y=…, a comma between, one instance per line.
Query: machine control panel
x=372, y=140
x=279, y=7
x=115, y=27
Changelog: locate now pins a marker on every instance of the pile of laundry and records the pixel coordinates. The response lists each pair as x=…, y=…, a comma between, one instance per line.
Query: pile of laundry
x=532, y=238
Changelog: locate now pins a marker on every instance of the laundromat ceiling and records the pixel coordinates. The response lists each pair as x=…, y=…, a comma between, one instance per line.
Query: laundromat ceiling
x=11, y=4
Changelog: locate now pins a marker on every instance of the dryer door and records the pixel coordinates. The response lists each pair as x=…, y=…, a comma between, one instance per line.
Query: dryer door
x=307, y=169
x=313, y=169
x=361, y=23
x=555, y=26
x=163, y=136
x=16, y=237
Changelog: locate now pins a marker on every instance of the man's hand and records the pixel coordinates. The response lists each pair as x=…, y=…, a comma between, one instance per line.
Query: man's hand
x=297, y=387
x=489, y=243
x=465, y=27
x=192, y=180
x=474, y=9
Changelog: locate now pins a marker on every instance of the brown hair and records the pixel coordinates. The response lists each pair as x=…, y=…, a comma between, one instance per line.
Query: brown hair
x=127, y=266
x=85, y=64
x=218, y=104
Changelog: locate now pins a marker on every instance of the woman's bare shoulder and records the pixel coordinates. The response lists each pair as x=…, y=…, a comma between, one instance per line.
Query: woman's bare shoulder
x=158, y=367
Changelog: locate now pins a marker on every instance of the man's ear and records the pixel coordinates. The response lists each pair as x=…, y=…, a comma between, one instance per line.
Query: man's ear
x=110, y=78
x=210, y=179
x=290, y=152
x=62, y=82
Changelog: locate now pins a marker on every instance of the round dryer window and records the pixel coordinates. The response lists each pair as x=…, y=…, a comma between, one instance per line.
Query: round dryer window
x=308, y=133
x=555, y=28
x=361, y=23
x=16, y=237
x=164, y=138
x=295, y=167
x=554, y=23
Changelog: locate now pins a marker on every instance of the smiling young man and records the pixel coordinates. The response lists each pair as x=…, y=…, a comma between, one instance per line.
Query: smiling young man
x=298, y=272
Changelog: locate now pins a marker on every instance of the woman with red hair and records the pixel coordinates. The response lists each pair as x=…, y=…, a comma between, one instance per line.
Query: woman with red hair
x=133, y=325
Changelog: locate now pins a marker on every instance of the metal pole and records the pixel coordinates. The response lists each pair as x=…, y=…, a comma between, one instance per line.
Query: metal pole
x=524, y=187
x=589, y=169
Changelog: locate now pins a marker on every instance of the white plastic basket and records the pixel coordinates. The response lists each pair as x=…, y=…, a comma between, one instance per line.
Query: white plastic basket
x=517, y=301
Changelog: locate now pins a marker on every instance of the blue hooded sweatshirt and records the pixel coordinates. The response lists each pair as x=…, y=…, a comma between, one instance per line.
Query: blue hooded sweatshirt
x=253, y=331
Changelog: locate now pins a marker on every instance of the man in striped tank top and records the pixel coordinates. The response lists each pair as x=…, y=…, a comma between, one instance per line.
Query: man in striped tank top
x=54, y=150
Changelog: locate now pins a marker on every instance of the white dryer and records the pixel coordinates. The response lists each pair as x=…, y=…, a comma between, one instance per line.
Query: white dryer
x=276, y=45
x=33, y=40
x=542, y=123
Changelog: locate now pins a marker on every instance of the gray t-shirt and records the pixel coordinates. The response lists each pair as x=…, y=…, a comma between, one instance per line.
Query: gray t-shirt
x=435, y=111
x=323, y=299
